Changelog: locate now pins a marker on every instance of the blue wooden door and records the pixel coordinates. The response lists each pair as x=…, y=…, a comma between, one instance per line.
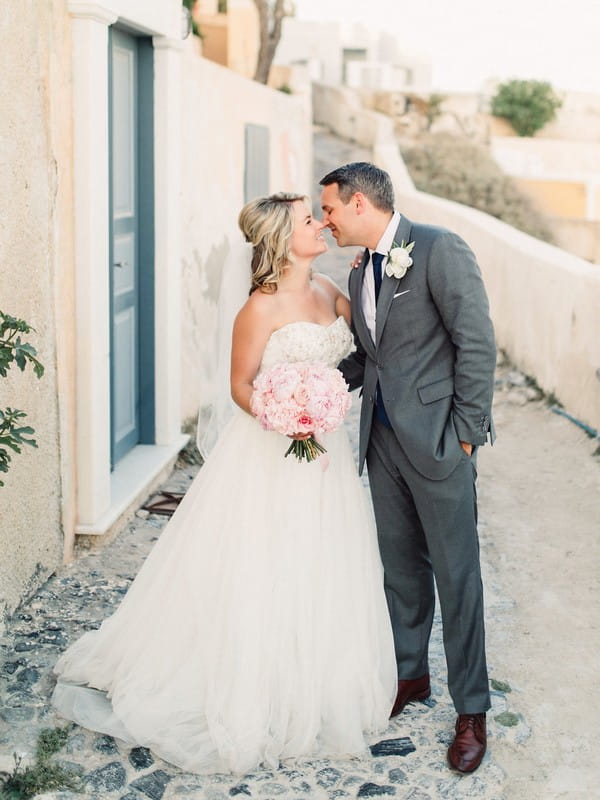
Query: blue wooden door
x=131, y=261
x=125, y=401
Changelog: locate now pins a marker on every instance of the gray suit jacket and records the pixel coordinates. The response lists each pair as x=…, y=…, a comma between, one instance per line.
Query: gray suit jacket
x=434, y=354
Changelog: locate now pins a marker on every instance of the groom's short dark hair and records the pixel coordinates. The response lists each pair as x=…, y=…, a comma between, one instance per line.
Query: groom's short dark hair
x=361, y=176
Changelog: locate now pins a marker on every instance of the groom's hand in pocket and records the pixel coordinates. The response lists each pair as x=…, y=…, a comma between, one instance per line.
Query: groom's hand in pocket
x=467, y=447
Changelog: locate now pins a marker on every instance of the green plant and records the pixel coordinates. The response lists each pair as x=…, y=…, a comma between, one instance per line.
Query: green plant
x=460, y=170
x=43, y=775
x=13, y=435
x=285, y=88
x=527, y=105
x=189, y=5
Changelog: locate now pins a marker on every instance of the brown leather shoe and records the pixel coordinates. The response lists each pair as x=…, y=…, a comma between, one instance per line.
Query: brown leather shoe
x=416, y=689
x=469, y=745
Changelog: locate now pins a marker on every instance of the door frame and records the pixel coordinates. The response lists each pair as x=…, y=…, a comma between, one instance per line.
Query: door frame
x=102, y=496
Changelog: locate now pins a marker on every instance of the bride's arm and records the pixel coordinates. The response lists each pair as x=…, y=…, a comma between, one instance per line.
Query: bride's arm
x=340, y=301
x=251, y=331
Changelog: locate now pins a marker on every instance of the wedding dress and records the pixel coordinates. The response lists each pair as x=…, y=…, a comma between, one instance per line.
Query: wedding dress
x=257, y=629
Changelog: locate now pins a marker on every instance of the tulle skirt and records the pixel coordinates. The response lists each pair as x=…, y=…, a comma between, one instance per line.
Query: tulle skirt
x=257, y=629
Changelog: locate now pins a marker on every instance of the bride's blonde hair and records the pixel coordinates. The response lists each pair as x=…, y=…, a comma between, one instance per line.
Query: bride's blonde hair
x=268, y=224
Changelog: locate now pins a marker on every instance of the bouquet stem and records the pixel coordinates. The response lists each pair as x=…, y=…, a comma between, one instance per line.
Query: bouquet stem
x=308, y=449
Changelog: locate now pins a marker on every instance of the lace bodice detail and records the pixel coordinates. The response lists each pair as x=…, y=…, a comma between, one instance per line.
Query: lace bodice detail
x=308, y=341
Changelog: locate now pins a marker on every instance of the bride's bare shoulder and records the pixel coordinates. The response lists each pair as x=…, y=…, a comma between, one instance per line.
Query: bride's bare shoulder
x=257, y=311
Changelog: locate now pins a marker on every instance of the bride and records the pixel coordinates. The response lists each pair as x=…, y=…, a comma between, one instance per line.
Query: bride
x=257, y=629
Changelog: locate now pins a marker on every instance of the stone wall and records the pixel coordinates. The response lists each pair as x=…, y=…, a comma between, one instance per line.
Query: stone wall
x=36, y=283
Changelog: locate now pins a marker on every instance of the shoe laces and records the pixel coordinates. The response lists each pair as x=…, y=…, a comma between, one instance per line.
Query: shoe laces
x=473, y=721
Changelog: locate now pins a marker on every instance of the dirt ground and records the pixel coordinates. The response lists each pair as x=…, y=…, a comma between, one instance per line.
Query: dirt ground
x=539, y=502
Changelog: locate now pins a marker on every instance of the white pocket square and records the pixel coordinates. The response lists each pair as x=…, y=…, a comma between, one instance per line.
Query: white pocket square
x=406, y=291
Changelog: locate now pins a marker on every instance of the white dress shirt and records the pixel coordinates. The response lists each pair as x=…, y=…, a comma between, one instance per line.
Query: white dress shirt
x=368, y=288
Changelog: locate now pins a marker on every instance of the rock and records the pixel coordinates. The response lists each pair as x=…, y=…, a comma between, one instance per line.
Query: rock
x=303, y=786
x=28, y=676
x=75, y=743
x=508, y=719
x=241, y=788
x=532, y=394
x=516, y=397
x=11, y=667
x=24, y=647
x=271, y=790
x=152, y=785
x=108, y=778
x=393, y=747
x=500, y=686
x=328, y=777
x=18, y=714
x=373, y=790
x=516, y=378
x=142, y=513
x=56, y=638
x=397, y=776
x=105, y=744
x=141, y=758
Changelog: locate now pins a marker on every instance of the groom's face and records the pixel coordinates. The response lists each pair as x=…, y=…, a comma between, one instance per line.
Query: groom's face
x=341, y=218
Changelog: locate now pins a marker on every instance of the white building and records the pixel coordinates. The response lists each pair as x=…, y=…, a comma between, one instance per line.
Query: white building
x=336, y=53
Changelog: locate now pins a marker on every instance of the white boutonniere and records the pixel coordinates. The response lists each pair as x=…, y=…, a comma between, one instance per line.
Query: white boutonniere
x=399, y=259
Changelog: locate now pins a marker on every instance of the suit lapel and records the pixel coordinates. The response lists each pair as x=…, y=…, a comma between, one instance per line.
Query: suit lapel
x=390, y=285
x=358, y=317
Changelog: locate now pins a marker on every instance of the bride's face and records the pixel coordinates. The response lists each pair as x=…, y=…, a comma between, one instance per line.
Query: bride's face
x=307, y=239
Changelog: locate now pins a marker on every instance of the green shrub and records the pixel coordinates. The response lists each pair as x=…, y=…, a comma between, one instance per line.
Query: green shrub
x=42, y=776
x=457, y=169
x=13, y=350
x=527, y=105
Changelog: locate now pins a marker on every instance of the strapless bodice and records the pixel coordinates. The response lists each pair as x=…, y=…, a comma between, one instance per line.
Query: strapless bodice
x=308, y=341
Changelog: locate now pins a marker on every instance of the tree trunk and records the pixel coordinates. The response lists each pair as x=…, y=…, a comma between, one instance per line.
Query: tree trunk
x=270, y=23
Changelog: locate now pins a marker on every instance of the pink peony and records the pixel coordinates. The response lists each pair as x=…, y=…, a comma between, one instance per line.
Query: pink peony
x=301, y=398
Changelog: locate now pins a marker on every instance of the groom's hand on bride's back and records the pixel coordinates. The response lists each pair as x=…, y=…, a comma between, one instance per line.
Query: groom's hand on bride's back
x=357, y=259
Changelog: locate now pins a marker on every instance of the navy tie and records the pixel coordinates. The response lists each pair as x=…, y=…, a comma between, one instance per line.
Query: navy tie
x=380, y=412
x=377, y=260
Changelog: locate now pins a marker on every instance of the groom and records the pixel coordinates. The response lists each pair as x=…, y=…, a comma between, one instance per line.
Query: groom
x=425, y=359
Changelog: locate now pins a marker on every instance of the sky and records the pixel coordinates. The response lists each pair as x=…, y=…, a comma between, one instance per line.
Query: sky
x=469, y=41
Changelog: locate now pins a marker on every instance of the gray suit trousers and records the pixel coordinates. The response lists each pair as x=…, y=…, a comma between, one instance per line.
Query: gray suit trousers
x=428, y=529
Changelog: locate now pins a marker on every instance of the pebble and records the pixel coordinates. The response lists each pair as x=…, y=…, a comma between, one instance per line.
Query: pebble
x=374, y=790
x=106, y=744
x=141, y=758
x=393, y=747
x=152, y=785
x=108, y=778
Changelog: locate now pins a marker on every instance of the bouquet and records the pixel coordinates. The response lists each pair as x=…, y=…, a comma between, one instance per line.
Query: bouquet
x=301, y=398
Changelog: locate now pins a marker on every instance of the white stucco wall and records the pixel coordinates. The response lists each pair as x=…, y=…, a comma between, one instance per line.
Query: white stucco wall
x=218, y=104
x=544, y=301
x=36, y=283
